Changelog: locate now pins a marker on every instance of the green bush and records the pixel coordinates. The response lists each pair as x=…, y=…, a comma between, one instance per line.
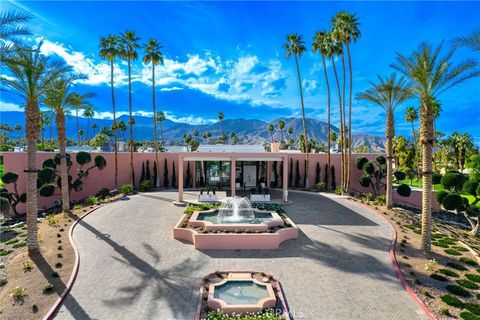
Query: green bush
x=457, y=266
x=473, y=308
x=369, y=168
x=267, y=314
x=103, y=193
x=457, y=290
x=436, y=178
x=360, y=162
x=47, y=190
x=91, y=200
x=381, y=160
x=452, y=301
x=467, y=284
x=126, y=189
x=9, y=177
x=465, y=315
x=365, y=181
x=440, y=195
x=449, y=273
x=452, y=201
x=470, y=187
x=440, y=244
x=438, y=277
x=100, y=162
x=83, y=157
x=321, y=186
x=191, y=208
x=469, y=261
x=48, y=289
x=399, y=175
x=452, y=252
x=145, y=185
x=453, y=180
x=404, y=190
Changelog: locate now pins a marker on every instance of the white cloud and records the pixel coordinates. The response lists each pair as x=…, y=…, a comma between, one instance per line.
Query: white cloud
x=190, y=119
x=7, y=106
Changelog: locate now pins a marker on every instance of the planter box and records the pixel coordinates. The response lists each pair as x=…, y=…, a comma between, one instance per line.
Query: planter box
x=207, y=198
x=260, y=197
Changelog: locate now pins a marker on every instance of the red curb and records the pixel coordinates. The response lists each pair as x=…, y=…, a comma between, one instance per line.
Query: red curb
x=54, y=309
x=399, y=273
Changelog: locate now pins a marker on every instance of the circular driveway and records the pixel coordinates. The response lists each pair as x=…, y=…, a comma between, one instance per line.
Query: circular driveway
x=132, y=268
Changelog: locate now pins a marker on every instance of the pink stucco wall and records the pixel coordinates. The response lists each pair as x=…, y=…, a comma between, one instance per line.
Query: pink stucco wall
x=16, y=161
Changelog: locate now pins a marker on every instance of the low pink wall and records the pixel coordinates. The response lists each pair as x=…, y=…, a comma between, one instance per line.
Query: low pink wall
x=414, y=200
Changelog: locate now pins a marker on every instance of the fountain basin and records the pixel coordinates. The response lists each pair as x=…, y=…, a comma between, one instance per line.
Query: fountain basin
x=209, y=220
x=240, y=293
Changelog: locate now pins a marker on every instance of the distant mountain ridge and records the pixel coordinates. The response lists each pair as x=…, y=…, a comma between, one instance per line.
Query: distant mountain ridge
x=248, y=131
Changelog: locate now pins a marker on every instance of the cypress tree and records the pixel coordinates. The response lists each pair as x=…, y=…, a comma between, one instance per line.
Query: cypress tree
x=165, y=175
x=290, y=174
x=317, y=176
x=147, y=172
x=174, y=176
x=155, y=174
x=325, y=178
x=142, y=176
x=188, y=176
x=275, y=175
x=297, y=175
x=334, y=183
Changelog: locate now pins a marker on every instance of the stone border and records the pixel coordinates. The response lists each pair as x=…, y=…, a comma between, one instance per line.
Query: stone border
x=234, y=241
x=396, y=267
x=277, y=285
x=52, y=312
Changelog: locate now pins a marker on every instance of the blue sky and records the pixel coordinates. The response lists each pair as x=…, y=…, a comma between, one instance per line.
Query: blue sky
x=227, y=56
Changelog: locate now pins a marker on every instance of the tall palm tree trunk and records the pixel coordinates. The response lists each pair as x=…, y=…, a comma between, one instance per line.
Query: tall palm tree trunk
x=340, y=108
x=344, y=131
x=78, y=128
x=328, y=114
x=426, y=139
x=51, y=130
x=349, y=163
x=156, y=183
x=389, y=133
x=63, y=160
x=161, y=132
x=114, y=126
x=43, y=138
x=304, y=122
x=32, y=128
x=132, y=169
x=88, y=126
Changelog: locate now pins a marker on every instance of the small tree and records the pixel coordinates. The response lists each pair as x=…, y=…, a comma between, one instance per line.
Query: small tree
x=274, y=183
x=174, y=176
x=450, y=199
x=325, y=177
x=49, y=176
x=297, y=175
x=155, y=174
x=332, y=173
x=290, y=174
x=374, y=174
x=165, y=175
x=188, y=176
x=317, y=174
x=142, y=175
x=147, y=171
x=10, y=200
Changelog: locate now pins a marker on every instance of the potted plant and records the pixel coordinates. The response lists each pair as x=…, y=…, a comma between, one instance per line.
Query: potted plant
x=209, y=196
x=260, y=194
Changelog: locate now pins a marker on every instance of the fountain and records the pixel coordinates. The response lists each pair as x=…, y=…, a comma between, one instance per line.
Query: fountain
x=235, y=209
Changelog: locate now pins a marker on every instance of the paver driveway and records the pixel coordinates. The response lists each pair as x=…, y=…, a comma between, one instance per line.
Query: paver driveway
x=132, y=268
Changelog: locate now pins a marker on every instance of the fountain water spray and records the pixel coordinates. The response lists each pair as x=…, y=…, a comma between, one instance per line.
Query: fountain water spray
x=236, y=209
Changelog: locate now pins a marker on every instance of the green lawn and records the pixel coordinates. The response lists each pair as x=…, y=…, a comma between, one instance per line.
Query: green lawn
x=436, y=187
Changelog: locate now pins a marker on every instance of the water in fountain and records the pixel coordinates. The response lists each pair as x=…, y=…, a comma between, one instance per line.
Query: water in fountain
x=236, y=209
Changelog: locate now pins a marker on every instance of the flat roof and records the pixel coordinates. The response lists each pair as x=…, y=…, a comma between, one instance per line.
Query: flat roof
x=240, y=148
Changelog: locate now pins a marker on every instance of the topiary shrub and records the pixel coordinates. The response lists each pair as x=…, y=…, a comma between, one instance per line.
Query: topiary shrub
x=436, y=178
x=452, y=201
x=449, y=273
x=126, y=189
x=47, y=190
x=469, y=261
x=360, y=162
x=103, y=193
x=453, y=252
x=438, y=277
x=465, y=315
x=473, y=277
x=453, y=181
x=457, y=290
x=452, y=301
x=10, y=199
x=404, y=190
x=440, y=195
x=467, y=284
x=457, y=266
x=50, y=174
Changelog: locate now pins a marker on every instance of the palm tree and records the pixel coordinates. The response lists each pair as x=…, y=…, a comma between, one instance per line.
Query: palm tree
x=44, y=121
x=62, y=101
x=81, y=103
x=128, y=44
x=431, y=74
x=321, y=45
x=290, y=132
x=12, y=24
x=94, y=127
x=153, y=55
x=389, y=93
x=347, y=28
x=270, y=130
x=220, y=118
x=122, y=127
x=159, y=118
x=334, y=48
x=32, y=74
x=109, y=50
x=233, y=137
x=471, y=41
x=296, y=47
x=88, y=113
x=281, y=126
x=411, y=115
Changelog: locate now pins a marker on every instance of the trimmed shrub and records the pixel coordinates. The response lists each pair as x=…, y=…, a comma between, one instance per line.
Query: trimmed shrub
x=360, y=162
x=468, y=261
x=404, y=190
x=470, y=187
x=440, y=195
x=452, y=201
x=381, y=160
x=457, y=290
x=449, y=273
x=457, y=266
x=83, y=157
x=9, y=177
x=473, y=308
x=467, y=284
x=438, y=277
x=126, y=188
x=399, y=175
x=103, y=193
x=465, y=315
x=47, y=190
x=436, y=178
x=452, y=252
x=452, y=301
x=365, y=181
x=100, y=162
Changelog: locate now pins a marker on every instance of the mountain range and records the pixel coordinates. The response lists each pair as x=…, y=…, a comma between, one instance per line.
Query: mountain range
x=248, y=131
